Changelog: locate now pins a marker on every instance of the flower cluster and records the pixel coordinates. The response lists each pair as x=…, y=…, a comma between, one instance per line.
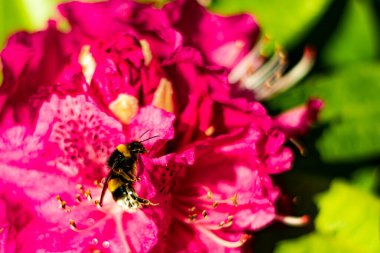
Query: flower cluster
x=127, y=71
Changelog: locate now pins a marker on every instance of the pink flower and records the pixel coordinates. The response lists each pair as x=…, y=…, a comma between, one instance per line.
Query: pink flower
x=212, y=34
x=130, y=72
x=226, y=192
x=73, y=139
x=297, y=121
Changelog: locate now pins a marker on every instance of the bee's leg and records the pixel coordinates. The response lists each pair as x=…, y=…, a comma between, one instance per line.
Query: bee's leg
x=132, y=177
x=127, y=176
x=142, y=201
x=146, y=202
x=105, y=185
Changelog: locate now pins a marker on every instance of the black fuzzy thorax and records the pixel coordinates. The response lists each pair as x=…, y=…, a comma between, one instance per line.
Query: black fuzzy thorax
x=118, y=161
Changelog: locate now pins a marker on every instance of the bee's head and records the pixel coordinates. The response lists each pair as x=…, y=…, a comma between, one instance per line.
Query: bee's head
x=136, y=147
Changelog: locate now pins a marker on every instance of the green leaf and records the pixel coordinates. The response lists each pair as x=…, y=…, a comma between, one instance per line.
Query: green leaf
x=356, y=37
x=367, y=179
x=285, y=21
x=29, y=15
x=314, y=243
x=351, y=113
x=347, y=222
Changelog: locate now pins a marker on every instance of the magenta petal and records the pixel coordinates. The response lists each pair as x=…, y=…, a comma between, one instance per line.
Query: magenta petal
x=225, y=192
x=121, y=69
x=106, y=19
x=79, y=136
x=223, y=41
x=6, y=233
x=32, y=63
x=298, y=120
x=152, y=122
x=280, y=162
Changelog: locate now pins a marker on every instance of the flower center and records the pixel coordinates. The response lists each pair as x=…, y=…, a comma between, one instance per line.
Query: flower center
x=209, y=215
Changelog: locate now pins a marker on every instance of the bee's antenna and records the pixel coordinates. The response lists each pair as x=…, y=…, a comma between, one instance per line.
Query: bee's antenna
x=150, y=138
x=144, y=134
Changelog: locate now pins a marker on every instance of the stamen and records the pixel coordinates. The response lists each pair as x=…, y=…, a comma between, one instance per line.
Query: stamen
x=298, y=145
x=98, y=184
x=210, y=131
x=120, y=231
x=88, y=195
x=204, y=214
x=192, y=217
x=293, y=221
x=291, y=78
x=213, y=227
x=78, y=199
x=75, y=228
x=62, y=203
x=97, y=203
x=234, y=201
x=223, y=242
x=80, y=188
x=204, y=201
x=247, y=65
x=266, y=72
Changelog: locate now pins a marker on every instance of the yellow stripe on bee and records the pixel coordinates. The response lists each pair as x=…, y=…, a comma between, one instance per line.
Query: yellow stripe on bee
x=113, y=184
x=122, y=148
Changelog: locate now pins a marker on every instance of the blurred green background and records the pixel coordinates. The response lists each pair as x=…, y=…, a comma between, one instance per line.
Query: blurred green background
x=336, y=182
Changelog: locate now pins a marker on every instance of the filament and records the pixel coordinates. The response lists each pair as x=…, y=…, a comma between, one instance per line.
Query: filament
x=293, y=221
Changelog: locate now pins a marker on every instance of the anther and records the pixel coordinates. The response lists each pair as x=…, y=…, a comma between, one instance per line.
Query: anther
x=192, y=209
x=210, y=131
x=73, y=226
x=230, y=218
x=244, y=238
x=234, y=200
x=80, y=188
x=192, y=217
x=63, y=204
x=215, y=204
x=204, y=214
x=87, y=194
x=209, y=195
x=97, y=184
x=298, y=145
x=222, y=223
x=293, y=221
x=97, y=203
x=78, y=198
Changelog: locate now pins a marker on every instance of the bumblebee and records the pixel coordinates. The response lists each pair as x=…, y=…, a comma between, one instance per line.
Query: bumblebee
x=123, y=173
